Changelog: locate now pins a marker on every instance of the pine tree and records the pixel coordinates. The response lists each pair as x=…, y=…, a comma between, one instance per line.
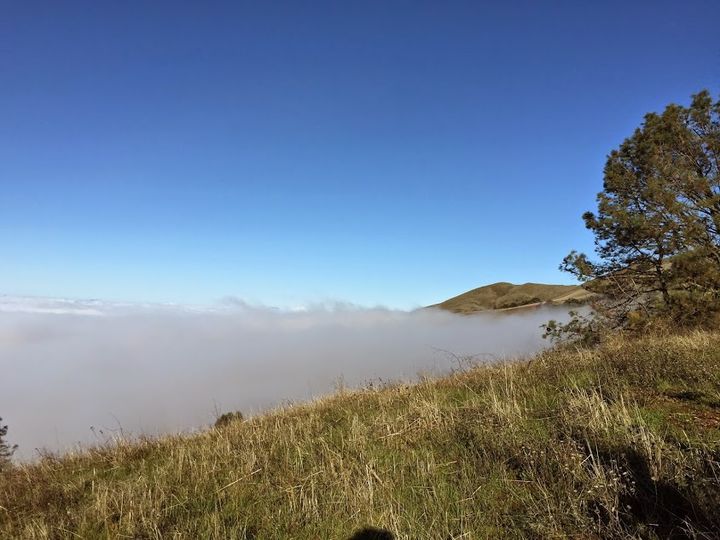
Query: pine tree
x=657, y=227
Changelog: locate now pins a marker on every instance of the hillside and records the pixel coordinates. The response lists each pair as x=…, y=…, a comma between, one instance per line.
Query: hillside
x=620, y=441
x=508, y=296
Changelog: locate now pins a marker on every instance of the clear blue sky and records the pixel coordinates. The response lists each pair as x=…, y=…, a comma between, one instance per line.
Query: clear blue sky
x=391, y=153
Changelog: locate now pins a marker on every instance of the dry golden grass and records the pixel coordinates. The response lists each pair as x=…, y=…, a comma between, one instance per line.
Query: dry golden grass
x=622, y=441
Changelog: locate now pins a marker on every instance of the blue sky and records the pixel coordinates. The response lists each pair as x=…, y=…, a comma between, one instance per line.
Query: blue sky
x=392, y=153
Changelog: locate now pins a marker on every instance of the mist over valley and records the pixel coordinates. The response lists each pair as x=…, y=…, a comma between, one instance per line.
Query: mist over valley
x=86, y=371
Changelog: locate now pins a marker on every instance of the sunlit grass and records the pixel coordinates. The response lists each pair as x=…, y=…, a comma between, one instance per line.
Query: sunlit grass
x=621, y=441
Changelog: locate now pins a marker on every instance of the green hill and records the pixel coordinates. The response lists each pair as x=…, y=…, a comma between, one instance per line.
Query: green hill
x=620, y=441
x=508, y=296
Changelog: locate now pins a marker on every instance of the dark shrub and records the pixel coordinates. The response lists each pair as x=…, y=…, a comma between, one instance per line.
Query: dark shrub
x=228, y=418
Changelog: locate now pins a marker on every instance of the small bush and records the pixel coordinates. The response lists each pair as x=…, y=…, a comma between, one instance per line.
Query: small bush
x=228, y=418
x=6, y=450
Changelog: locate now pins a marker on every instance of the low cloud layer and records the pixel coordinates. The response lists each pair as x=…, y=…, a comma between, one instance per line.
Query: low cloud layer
x=77, y=372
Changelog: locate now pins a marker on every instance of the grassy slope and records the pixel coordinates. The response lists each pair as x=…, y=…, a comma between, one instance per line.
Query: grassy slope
x=506, y=295
x=617, y=442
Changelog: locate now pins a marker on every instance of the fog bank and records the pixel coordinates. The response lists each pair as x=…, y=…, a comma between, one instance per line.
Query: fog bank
x=76, y=372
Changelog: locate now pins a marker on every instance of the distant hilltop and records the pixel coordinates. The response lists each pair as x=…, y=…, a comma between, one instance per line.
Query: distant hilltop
x=504, y=296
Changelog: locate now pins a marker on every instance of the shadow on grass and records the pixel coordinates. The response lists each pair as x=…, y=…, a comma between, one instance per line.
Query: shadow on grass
x=371, y=533
x=667, y=508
